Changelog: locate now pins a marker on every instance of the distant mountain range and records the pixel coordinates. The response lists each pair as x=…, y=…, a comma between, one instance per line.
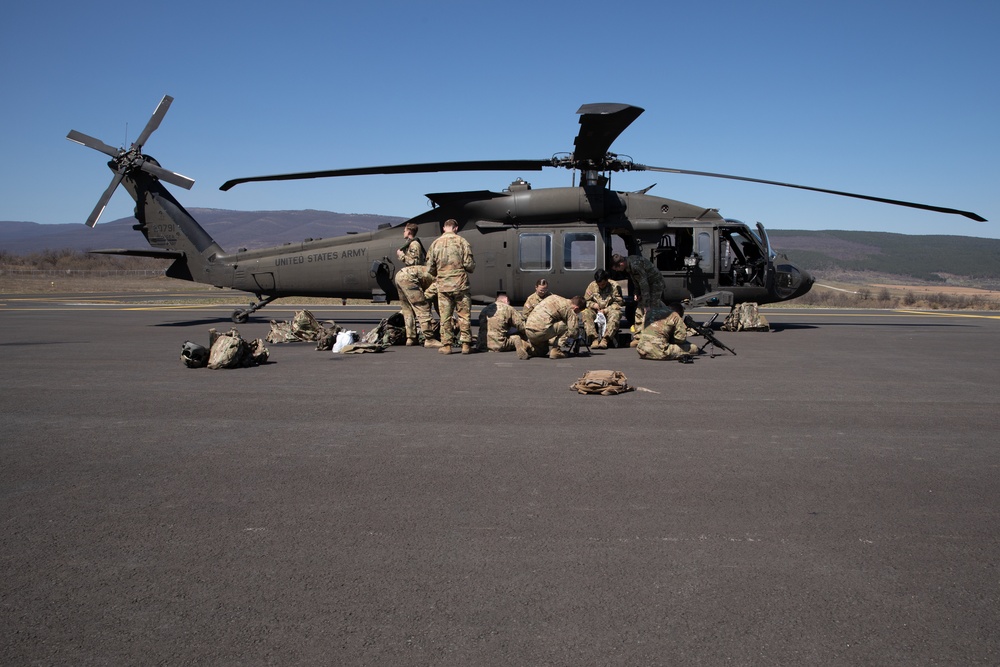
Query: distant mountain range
x=953, y=259
x=232, y=230
x=960, y=260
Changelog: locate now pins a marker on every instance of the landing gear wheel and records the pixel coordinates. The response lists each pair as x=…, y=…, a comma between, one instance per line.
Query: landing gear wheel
x=240, y=316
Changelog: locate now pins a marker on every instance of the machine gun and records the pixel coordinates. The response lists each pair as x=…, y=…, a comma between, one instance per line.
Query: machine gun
x=705, y=330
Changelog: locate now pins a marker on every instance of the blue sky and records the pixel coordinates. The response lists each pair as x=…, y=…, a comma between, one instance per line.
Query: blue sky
x=893, y=99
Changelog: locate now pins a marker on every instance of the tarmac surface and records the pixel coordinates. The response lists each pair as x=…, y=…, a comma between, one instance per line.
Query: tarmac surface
x=830, y=496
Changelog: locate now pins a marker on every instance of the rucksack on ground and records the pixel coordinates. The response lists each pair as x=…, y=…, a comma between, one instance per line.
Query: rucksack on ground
x=606, y=383
x=230, y=350
x=745, y=317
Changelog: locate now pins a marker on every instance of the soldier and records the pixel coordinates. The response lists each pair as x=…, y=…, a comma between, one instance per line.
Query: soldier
x=412, y=250
x=648, y=283
x=551, y=323
x=450, y=261
x=541, y=291
x=602, y=296
x=499, y=324
x=666, y=336
x=411, y=281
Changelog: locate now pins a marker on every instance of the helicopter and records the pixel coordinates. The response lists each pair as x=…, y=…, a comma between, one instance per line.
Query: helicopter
x=519, y=235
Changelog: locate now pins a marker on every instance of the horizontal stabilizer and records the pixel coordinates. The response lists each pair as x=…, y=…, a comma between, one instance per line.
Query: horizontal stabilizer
x=151, y=252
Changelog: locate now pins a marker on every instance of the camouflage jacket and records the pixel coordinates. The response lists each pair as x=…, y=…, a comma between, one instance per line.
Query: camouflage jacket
x=413, y=253
x=531, y=302
x=414, y=277
x=550, y=310
x=450, y=261
x=647, y=280
x=496, y=321
x=666, y=327
x=598, y=299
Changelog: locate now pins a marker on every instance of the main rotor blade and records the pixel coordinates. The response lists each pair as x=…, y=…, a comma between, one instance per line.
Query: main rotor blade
x=91, y=142
x=102, y=203
x=154, y=120
x=427, y=167
x=168, y=176
x=600, y=125
x=895, y=202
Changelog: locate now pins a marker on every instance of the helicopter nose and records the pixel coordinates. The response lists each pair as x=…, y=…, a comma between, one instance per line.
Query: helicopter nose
x=792, y=281
x=807, y=282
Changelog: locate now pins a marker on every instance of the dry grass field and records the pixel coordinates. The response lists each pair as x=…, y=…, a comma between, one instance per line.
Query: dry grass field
x=87, y=283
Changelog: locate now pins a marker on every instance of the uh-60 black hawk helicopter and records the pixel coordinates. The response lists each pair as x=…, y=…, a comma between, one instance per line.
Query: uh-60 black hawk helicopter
x=518, y=235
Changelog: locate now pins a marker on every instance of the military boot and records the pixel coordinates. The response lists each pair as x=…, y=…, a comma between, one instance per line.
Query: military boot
x=430, y=342
x=445, y=348
x=521, y=347
x=466, y=348
x=556, y=353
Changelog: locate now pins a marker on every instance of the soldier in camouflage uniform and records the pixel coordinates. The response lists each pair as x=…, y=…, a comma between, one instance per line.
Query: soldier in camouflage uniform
x=411, y=281
x=648, y=283
x=665, y=337
x=550, y=326
x=541, y=292
x=499, y=324
x=602, y=296
x=412, y=251
x=450, y=261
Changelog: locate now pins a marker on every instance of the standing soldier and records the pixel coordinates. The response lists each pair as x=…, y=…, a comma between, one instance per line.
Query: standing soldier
x=411, y=281
x=412, y=250
x=499, y=324
x=551, y=323
x=648, y=284
x=666, y=336
x=450, y=261
x=602, y=296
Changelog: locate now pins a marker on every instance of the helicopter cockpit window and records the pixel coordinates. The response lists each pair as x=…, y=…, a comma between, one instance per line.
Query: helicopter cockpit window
x=534, y=252
x=741, y=260
x=579, y=251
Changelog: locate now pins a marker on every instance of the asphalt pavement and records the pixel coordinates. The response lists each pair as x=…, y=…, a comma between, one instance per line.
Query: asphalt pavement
x=829, y=495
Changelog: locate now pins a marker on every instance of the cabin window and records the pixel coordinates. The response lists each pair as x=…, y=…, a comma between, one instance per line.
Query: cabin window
x=534, y=252
x=579, y=251
x=705, y=250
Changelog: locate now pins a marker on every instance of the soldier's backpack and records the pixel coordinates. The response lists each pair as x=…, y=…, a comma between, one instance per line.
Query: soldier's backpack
x=390, y=331
x=745, y=317
x=303, y=327
x=606, y=383
x=229, y=350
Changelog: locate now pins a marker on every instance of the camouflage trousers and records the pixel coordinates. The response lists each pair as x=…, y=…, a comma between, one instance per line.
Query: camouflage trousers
x=494, y=340
x=613, y=316
x=415, y=308
x=458, y=304
x=656, y=351
x=540, y=339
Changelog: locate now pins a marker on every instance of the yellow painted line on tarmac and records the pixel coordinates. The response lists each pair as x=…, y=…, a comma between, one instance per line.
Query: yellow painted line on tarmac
x=170, y=306
x=872, y=313
x=939, y=314
x=821, y=313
